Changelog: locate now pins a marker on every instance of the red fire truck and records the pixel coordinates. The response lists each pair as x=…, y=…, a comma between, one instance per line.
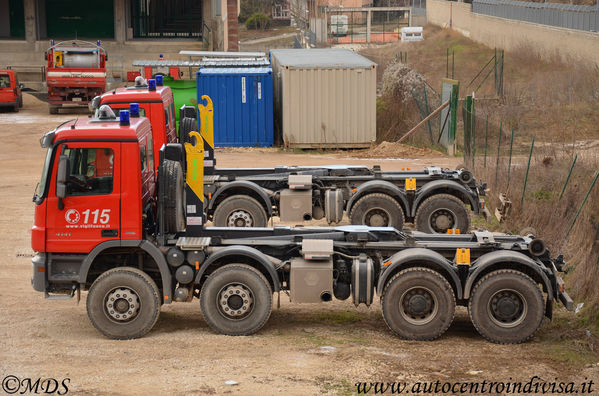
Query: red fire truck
x=136, y=243
x=76, y=72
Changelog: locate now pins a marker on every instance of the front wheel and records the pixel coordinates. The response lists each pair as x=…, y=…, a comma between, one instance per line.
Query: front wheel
x=506, y=307
x=240, y=211
x=418, y=304
x=123, y=303
x=236, y=300
x=441, y=212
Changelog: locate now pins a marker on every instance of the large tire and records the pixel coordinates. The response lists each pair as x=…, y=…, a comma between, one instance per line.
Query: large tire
x=174, y=209
x=438, y=213
x=21, y=101
x=418, y=304
x=506, y=307
x=377, y=210
x=236, y=300
x=240, y=211
x=123, y=303
x=16, y=108
x=187, y=125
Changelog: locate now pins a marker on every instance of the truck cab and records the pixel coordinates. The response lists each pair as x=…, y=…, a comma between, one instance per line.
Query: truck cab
x=84, y=200
x=10, y=90
x=155, y=102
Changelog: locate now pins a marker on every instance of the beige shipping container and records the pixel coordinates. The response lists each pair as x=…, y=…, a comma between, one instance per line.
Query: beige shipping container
x=324, y=98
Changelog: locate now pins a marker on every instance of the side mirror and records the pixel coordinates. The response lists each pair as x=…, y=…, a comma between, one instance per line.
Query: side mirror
x=96, y=102
x=61, y=179
x=21, y=86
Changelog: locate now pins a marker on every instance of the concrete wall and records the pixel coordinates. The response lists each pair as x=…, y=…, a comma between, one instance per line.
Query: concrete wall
x=509, y=34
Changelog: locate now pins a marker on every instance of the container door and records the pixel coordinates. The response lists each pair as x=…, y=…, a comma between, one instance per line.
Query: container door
x=91, y=212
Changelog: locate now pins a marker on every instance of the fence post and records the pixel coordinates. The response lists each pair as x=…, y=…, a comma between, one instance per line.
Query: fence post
x=498, y=151
x=467, y=116
x=495, y=68
x=500, y=92
x=509, y=167
x=453, y=65
x=447, y=63
x=473, y=131
x=486, y=138
x=532, y=145
x=568, y=178
x=584, y=201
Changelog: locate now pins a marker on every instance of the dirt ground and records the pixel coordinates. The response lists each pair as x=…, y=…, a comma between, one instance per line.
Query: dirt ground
x=302, y=350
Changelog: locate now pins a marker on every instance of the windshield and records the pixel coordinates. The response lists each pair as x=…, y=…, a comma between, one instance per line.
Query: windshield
x=41, y=187
x=142, y=111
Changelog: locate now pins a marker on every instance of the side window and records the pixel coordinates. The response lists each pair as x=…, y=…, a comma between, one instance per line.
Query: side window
x=91, y=171
x=143, y=154
x=151, y=153
x=167, y=116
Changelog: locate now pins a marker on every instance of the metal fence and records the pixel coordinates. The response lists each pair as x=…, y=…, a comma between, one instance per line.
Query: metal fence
x=569, y=16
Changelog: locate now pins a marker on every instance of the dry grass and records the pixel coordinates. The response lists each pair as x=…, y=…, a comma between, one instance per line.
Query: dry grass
x=545, y=97
x=551, y=217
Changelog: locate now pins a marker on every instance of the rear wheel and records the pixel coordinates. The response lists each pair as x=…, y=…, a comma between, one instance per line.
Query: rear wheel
x=175, y=199
x=240, y=211
x=123, y=303
x=441, y=212
x=21, y=101
x=506, y=307
x=187, y=125
x=236, y=300
x=418, y=304
x=377, y=210
x=16, y=108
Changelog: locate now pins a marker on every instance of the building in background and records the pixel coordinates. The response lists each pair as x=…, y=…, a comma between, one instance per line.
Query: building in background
x=129, y=29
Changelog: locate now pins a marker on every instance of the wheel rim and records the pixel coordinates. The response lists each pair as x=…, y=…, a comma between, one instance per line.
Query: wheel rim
x=235, y=301
x=418, y=305
x=376, y=217
x=240, y=218
x=507, y=308
x=121, y=304
x=441, y=220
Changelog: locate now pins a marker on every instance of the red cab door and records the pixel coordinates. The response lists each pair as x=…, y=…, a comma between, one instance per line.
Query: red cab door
x=91, y=209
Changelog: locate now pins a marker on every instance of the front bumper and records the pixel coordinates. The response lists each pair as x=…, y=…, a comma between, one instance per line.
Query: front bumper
x=39, y=280
x=9, y=104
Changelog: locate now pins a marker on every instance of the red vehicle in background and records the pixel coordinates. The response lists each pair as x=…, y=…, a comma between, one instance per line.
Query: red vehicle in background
x=76, y=72
x=10, y=90
x=155, y=102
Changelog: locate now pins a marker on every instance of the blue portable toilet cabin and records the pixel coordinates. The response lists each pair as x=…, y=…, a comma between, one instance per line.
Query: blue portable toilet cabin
x=243, y=105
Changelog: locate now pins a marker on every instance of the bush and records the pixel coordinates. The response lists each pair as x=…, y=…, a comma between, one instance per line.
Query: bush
x=258, y=21
x=399, y=81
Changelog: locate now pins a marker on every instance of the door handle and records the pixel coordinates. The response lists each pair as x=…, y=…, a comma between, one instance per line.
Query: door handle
x=110, y=233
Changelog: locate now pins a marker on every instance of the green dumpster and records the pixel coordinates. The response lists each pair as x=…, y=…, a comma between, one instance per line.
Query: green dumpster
x=184, y=92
